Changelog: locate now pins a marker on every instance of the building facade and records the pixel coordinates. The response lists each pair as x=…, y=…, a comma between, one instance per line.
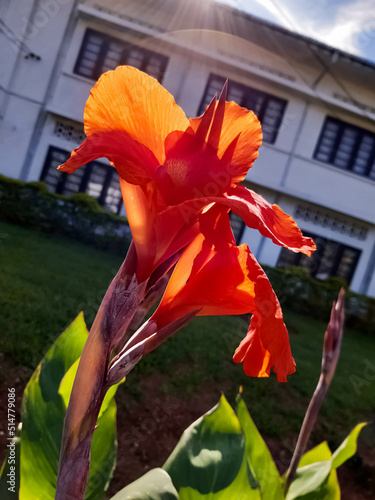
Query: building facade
x=316, y=105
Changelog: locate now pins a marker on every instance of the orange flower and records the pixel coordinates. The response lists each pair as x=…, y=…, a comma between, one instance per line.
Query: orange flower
x=219, y=278
x=170, y=167
x=179, y=179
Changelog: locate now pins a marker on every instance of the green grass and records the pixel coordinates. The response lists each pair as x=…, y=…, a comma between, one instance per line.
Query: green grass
x=46, y=280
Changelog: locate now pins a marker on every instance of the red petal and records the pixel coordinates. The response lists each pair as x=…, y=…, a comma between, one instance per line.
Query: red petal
x=232, y=127
x=158, y=231
x=270, y=220
x=211, y=275
x=267, y=341
x=191, y=170
x=134, y=162
x=218, y=278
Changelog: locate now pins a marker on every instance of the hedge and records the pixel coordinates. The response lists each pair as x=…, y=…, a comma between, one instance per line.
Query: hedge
x=78, y=216
x=297, y=290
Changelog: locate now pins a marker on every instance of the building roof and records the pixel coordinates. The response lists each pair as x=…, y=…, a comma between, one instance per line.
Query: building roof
x=297, y=36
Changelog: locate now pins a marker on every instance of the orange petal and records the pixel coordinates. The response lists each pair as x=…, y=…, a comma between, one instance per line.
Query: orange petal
x=158, y=231
x=141, y=215
x=218, y=278
x=210, y=275
x=191, y=170
x=134, y=162
x=267, y=343
x=270, y=220
x=236, y=134
x=130, y=100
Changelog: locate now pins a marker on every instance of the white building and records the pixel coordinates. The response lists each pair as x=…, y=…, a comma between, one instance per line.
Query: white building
x=316, y=105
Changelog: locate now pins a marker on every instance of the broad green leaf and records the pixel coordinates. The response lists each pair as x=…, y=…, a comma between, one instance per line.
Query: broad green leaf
x=155, y=485
x=239, y=489
x=316, y=477
x=348, y=447
x=309, y=479
x=209, y=461
x=330, y=489
x=43, y=411
x=317, y=454
x=259, y=458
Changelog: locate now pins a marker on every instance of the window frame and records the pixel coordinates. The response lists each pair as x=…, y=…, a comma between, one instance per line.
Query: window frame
x=238, y=234
x=318, y=256
x=85, y=177
x=335, y=149
x=106, y=40
x=247, y=90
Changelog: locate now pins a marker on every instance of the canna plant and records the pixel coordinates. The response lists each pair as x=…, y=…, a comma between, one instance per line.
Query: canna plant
x=220, y=456
x=179, y=179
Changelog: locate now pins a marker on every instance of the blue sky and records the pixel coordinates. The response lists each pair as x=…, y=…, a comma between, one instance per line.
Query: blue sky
x=346, y=24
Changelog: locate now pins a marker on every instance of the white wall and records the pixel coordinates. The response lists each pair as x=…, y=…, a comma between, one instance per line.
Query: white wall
x=41, y=27
x=269, y=252
x=285, y=172
x=15, y=134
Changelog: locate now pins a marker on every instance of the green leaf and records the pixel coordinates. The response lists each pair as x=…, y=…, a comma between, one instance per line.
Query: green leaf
x=259, y=458
x=43, y=411
x=317, y=454
x=348, y=448
x=155, y=485
x=209, y=461
x=316, y=477
x=309, y=479
x=329, y=489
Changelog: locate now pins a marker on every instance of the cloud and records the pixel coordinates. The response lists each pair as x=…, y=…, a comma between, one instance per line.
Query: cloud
x=348, y=25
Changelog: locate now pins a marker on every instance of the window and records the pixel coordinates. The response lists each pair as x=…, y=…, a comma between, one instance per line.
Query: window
x=237, y=225
x=96, y=179
x=347, y=147
x=268, y=109
x=330, y=259
x=100, y=53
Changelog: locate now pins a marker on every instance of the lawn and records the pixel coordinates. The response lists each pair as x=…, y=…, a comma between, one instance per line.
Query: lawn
x=45, y=280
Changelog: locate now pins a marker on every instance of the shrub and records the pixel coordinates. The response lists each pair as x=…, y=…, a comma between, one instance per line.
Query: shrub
x=297, y=290
x=79, y=216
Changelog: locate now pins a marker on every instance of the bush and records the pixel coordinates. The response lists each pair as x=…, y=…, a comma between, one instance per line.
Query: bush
x=79, y=216
x=297, y=290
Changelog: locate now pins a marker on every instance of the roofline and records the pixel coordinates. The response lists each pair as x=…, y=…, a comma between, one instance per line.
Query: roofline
x=294, y=34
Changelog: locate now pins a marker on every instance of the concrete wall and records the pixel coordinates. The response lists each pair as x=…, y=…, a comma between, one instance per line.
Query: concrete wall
x=35, y=93
x=26, y=75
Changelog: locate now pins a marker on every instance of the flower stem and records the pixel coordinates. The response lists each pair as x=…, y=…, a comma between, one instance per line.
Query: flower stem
x=115, y=313
x=331, y=353
x=306, y=429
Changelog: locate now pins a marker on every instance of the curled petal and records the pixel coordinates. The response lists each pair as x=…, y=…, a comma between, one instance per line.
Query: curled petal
x=134, y=162
x=266, y=344
x=270, y=220
x=128, y=99
x=218, y=278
